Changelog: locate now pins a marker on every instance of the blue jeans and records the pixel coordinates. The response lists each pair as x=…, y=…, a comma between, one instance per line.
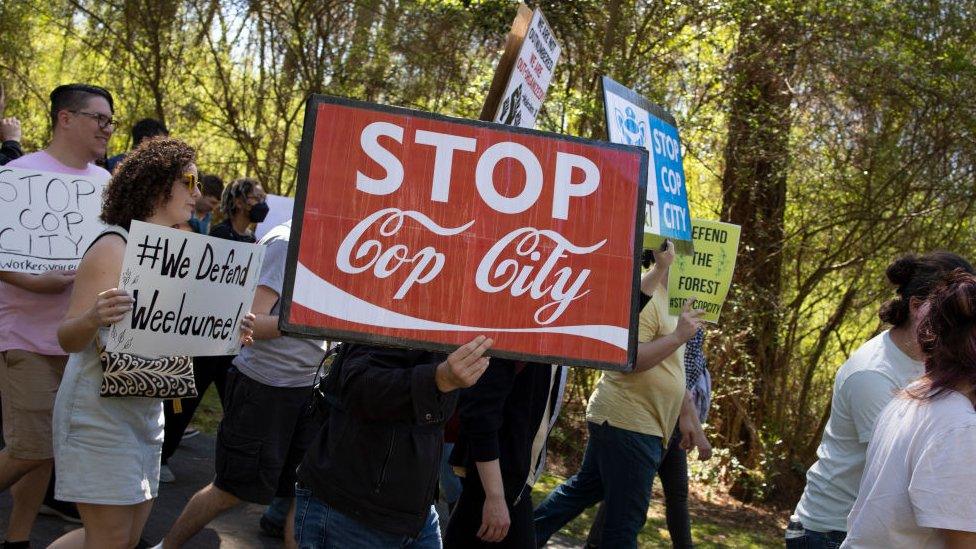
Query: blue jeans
x=816, y=540
x=318, y=526
x=278, y=511
x=618, y=468
x=450, y=483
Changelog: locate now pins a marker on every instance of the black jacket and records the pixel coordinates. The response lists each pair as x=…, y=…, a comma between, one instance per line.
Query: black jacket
x=10, y=150
x=377, y=457
x=500, y=417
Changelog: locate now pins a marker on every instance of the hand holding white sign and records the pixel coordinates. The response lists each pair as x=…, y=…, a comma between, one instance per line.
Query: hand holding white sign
x=191, y=294
x=110, y=307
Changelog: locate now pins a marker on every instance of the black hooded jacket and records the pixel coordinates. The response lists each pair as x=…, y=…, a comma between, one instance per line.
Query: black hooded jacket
x=377, y=457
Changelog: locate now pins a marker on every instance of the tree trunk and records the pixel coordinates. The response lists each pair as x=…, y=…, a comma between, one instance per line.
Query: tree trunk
x=754, y=196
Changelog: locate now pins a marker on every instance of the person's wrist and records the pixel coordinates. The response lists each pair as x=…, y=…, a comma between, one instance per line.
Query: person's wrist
x=91, y=319
x=442, y=377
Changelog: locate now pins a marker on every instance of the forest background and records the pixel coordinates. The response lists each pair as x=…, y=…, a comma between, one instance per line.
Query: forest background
x=838, y=133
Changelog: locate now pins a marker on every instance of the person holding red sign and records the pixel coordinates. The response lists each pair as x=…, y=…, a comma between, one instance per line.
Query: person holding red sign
x=369, y=478
x=628, y=417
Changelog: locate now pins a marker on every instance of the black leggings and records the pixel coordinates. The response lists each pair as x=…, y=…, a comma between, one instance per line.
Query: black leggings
x=673, y=473
x=462, y=530
x=206, y=370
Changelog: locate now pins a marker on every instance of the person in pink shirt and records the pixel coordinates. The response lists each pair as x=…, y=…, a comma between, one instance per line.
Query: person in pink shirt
x=31, y=308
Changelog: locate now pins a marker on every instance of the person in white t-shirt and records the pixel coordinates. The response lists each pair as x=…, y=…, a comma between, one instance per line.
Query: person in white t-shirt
x=862, y=388
x=919, y=489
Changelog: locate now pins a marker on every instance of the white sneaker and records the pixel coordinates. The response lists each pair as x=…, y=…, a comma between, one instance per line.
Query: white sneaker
x=166, y=474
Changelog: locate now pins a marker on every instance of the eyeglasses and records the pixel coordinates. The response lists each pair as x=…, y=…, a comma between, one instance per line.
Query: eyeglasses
x=102, y=120
x=191, y=181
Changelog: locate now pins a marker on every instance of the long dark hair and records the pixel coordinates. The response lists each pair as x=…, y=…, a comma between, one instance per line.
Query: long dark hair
x=947, y=336
x=916, y=276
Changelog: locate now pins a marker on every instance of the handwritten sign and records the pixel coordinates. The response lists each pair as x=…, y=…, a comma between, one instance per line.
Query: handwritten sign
x=417, y=230
x=47, y=220
x=190, y=292
x=531, y=73
x=633, y=120
x=706, y=274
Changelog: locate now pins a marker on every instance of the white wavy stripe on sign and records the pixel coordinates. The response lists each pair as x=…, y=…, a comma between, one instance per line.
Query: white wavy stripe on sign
x=319, y=295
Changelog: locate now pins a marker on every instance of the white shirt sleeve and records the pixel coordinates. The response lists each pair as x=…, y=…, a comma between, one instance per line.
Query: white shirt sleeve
x=867, y=393
x=943, y=486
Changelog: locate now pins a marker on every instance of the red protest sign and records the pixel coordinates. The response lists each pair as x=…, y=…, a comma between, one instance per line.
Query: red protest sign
x=419, y=230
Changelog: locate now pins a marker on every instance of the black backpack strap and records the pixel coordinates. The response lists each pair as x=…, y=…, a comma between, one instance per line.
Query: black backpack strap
x=325, y=392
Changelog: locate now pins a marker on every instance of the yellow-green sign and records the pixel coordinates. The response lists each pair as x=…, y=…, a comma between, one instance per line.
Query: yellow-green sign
x=706, y=274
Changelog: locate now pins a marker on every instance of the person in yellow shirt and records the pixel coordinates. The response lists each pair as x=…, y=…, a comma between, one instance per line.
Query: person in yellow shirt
x=629, y=416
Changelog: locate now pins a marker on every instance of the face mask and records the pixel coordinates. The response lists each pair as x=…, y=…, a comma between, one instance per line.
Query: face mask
x=258, y=212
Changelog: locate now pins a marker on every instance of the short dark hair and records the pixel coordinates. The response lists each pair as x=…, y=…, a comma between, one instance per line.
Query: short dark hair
x=143, y=177
x=916, y=276
x=212, y=185
x=146, y=128
x=947, y=336
x=73, y=97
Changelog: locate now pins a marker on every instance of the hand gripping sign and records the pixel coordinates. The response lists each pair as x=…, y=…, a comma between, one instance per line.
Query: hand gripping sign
x=418, y=230
x=633, y=120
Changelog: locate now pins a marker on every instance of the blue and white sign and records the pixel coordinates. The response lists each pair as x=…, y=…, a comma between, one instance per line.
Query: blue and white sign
x=633, y=120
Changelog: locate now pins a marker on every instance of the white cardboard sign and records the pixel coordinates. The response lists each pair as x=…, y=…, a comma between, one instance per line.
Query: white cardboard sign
x=530, y=77
x=47, y=220
x=191, y=292
x=279, y=211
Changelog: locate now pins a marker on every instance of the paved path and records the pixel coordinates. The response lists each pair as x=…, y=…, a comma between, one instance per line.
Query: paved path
x=193, y=467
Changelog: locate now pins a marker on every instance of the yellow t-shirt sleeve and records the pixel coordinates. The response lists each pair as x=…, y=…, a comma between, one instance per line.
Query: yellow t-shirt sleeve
x=649, y=324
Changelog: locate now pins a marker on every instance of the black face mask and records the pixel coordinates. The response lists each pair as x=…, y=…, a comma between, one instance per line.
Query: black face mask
x=258, y=212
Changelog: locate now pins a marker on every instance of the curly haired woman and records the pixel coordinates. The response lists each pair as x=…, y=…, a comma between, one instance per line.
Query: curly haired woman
x=107, y=450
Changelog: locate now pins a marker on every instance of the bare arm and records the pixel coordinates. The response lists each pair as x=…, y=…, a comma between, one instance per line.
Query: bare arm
x=495, y=519
x=95, y=299
x=51, y=282
x=692, y=434
x=651, y=353
x=657, y=277
x=265, y=323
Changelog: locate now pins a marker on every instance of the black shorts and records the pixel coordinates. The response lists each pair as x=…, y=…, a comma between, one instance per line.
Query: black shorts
x=262, y=438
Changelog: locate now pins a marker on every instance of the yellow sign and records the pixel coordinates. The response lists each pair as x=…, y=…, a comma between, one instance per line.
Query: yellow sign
x=706, y=274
